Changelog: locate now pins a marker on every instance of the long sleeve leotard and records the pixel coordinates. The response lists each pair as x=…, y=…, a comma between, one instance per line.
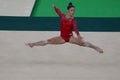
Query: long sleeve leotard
x=66, y=25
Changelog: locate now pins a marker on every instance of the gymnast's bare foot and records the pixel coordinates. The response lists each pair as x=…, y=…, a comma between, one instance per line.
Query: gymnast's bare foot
x=99, y=50
x=30, y=44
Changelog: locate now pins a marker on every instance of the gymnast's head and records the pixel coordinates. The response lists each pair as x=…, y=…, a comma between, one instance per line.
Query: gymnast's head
x=71, y=9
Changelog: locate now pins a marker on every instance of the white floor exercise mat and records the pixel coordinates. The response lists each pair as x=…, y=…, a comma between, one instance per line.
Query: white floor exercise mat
x=16, y=7
x=58, y=62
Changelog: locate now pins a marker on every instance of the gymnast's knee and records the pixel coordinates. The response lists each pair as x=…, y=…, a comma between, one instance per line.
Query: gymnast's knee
x=86, y=44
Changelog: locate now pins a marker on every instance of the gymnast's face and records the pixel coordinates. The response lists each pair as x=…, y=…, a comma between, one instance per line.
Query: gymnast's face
x=71, y=11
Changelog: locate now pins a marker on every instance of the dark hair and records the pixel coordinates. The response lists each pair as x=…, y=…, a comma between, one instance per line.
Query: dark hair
x=69, y=6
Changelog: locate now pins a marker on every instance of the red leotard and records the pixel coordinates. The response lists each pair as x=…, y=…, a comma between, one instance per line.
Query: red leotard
x=66, y=25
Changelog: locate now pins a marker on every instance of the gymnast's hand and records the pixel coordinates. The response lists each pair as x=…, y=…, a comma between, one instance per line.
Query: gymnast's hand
x=53, y=5
x=80, y=38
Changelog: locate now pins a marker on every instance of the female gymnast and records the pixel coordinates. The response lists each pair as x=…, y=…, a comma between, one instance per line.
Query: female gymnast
x=67, y=24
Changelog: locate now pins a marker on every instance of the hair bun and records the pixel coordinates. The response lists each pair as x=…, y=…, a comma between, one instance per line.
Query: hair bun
x=70, y=3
